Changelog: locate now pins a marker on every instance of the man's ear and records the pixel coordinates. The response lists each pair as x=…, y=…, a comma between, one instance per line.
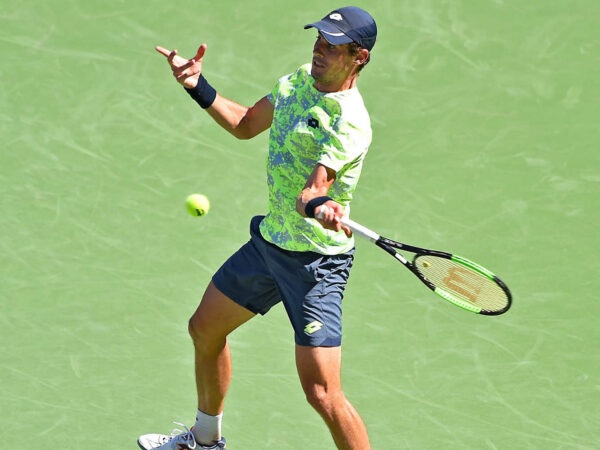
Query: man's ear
x=361, y=56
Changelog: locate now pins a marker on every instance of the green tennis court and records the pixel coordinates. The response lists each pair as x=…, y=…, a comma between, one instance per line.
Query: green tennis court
x=486, y=137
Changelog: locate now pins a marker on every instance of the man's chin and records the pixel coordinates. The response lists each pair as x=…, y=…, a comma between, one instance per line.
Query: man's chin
x=316, y=72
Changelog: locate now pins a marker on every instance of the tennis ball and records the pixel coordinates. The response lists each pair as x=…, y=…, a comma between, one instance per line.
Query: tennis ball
x=197, y=205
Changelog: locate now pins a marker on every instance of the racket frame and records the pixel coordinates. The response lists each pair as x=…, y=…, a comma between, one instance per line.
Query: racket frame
x=390, y=247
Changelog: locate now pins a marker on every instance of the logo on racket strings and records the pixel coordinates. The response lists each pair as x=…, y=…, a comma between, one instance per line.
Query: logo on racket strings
x=462, y=282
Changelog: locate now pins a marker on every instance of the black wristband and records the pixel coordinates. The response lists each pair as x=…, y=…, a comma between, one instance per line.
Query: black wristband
x=203, y=93
x=312, y=204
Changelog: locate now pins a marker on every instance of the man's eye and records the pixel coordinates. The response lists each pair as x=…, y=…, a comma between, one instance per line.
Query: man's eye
x=321, y=38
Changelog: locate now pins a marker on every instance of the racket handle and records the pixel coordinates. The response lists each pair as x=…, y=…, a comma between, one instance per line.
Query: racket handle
x=355, y=227
x=360, y=229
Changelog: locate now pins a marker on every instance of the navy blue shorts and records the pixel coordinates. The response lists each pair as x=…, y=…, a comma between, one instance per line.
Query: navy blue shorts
x=310, y=285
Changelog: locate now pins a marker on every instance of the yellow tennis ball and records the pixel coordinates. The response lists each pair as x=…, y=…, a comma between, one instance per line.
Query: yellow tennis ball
x=197, y=205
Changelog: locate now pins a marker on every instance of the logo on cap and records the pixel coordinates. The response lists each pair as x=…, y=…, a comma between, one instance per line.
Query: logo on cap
x=346, y=25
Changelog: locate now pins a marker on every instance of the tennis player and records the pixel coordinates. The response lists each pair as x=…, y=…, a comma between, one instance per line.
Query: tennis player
x=319, y=134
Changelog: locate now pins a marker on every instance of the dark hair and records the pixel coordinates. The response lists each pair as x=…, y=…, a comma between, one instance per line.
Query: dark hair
x=354, y=49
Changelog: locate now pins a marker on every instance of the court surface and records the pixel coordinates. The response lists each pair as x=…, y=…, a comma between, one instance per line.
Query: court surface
x=485, y=118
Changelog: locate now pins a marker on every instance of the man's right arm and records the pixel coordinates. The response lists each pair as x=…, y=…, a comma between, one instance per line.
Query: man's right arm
x=241, y=121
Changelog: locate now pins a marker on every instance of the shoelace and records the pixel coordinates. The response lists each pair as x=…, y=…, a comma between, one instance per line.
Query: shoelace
x=183, y=437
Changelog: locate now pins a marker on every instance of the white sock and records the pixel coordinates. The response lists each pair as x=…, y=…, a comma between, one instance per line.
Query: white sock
x=207, y=428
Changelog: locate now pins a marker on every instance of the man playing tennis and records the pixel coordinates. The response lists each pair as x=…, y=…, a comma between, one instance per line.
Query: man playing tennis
x=319, y=135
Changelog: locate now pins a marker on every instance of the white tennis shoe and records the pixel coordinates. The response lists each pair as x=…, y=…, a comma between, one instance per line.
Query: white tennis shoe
x=178, y=440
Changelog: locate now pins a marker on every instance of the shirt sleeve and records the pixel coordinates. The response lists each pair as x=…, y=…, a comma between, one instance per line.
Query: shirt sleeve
x=343, y=144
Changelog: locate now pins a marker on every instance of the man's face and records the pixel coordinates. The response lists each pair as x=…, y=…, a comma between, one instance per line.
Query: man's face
x=331, y=64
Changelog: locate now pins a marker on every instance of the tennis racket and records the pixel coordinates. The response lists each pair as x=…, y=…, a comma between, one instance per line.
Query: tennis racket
x=456, y=279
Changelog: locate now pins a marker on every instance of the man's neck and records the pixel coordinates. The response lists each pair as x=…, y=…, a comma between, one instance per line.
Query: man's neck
x=348, y=83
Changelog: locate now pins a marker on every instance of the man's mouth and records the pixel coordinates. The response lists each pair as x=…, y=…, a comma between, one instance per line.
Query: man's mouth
x=317, y=63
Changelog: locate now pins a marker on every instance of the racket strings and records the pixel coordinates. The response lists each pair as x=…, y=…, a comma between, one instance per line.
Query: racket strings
x=462, y=281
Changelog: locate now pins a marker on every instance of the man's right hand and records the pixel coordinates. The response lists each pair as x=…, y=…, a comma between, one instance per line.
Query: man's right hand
x=186, y=71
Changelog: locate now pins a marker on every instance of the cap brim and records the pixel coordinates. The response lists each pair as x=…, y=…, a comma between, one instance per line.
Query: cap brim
x=330, y=32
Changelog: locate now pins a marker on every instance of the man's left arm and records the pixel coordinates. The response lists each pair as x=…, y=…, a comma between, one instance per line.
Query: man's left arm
x=313, y=201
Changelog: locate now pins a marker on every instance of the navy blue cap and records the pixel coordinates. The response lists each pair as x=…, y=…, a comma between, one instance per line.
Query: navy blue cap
x=348, y=24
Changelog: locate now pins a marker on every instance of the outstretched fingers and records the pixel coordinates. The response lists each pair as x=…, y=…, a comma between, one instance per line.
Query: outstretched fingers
x=200, y=53
x=170, y=55
x=163, y=51
x=185, y=71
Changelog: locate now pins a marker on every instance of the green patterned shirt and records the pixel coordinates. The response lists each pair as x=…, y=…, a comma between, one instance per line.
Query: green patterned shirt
x=311, y=127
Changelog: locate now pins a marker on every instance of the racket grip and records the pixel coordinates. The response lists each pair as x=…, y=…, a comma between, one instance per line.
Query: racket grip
x=360, y=229
x=357, y=228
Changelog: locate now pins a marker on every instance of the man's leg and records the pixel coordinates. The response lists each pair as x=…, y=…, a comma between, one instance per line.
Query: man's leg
x=319, y=369
x=216, y=317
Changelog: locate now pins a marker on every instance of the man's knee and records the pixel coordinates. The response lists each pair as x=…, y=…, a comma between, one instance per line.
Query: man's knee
x=194, y=329
x=216, y=317
x=323, y=399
